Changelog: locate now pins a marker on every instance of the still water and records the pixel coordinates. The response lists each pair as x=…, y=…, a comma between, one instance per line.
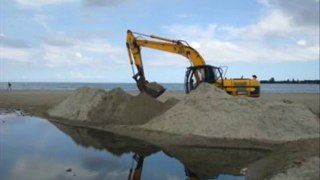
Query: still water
x=34, y=148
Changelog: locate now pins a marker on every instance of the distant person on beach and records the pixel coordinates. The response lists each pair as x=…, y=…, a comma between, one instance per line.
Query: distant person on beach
x=9, y=86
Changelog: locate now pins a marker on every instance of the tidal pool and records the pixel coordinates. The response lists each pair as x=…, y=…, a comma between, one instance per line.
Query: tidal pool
x=35, y=148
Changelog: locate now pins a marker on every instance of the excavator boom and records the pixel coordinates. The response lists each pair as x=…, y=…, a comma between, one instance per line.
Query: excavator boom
x=134, y=45
x=168, y=45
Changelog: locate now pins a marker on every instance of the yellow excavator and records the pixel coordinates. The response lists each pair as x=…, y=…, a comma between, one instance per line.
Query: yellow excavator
x=197, y=73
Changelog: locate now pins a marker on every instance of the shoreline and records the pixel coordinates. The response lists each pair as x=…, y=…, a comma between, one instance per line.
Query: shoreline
x=39, y=101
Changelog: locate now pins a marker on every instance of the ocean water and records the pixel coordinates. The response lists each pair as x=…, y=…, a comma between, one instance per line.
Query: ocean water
x=265, y=88
x=34, y=148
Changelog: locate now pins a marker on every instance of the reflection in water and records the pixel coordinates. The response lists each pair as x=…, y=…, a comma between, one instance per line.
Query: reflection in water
x=198, y=162
x=115, y=144
x=32, y=148
x=208, y=163
x=33, y=141
x=190, y=174
x=136, y=174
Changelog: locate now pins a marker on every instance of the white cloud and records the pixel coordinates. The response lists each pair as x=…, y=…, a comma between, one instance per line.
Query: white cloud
x=79, y=75
x=66, y=51
x=275, y=24
x=221, y=52
x=101, y=3
x=305, y=13
x=17, y=54
x=264, y=2
x=21, y=169
x=60, y=56
x=42, y=20
x=301, y=42
x=99, y=46
x=165, y=59
x=78, y=55
x=40, y=3
x=182, y=31
x=87, y=3
x=277, y=36
x=12, y=42
x=58, y=50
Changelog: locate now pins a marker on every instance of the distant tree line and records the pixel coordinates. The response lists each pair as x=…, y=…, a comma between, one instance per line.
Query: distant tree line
x=288, y=81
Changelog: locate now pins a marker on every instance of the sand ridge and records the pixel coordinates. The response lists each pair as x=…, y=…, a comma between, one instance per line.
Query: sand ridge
x=207, y=111
x=78, y=105
x=113, y=107
x=210, y=112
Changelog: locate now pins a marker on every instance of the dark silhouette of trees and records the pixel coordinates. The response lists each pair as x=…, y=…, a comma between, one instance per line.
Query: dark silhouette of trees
x=293, y=81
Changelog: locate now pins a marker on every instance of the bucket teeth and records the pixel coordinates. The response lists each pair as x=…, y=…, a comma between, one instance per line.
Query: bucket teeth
x=154, y=89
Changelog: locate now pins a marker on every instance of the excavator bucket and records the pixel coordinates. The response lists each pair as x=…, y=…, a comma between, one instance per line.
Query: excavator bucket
x=154, y=89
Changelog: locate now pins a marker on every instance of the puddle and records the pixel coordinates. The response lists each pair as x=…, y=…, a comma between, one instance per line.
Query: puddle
x=33, y=148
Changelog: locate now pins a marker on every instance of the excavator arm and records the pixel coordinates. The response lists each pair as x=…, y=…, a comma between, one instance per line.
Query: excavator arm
x=168, y=45
x=134, y=45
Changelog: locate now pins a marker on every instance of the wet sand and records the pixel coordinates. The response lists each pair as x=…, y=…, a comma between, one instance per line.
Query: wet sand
x=39, y=101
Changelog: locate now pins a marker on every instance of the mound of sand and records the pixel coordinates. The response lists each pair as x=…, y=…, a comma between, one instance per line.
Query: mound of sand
x=121, y=108
x=210, y=112
x=113, y=107
x=78, y=105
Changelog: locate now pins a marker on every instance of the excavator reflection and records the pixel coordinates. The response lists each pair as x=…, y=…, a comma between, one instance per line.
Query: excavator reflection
x=135, y=174
x=191, y=175
x=198, y=162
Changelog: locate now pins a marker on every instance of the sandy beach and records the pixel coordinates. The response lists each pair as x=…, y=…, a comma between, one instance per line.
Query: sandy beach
x=39, y=101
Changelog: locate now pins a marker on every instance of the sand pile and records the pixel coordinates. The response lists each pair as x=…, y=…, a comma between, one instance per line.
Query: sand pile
x=122, y=108
x=210, y=112
x=113, y=107
x=78, y=105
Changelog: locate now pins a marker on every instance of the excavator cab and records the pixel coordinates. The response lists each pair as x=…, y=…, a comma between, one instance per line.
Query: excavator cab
x=206, y=73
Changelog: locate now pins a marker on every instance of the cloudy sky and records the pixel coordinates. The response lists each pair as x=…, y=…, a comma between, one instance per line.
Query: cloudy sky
x=84, y=40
